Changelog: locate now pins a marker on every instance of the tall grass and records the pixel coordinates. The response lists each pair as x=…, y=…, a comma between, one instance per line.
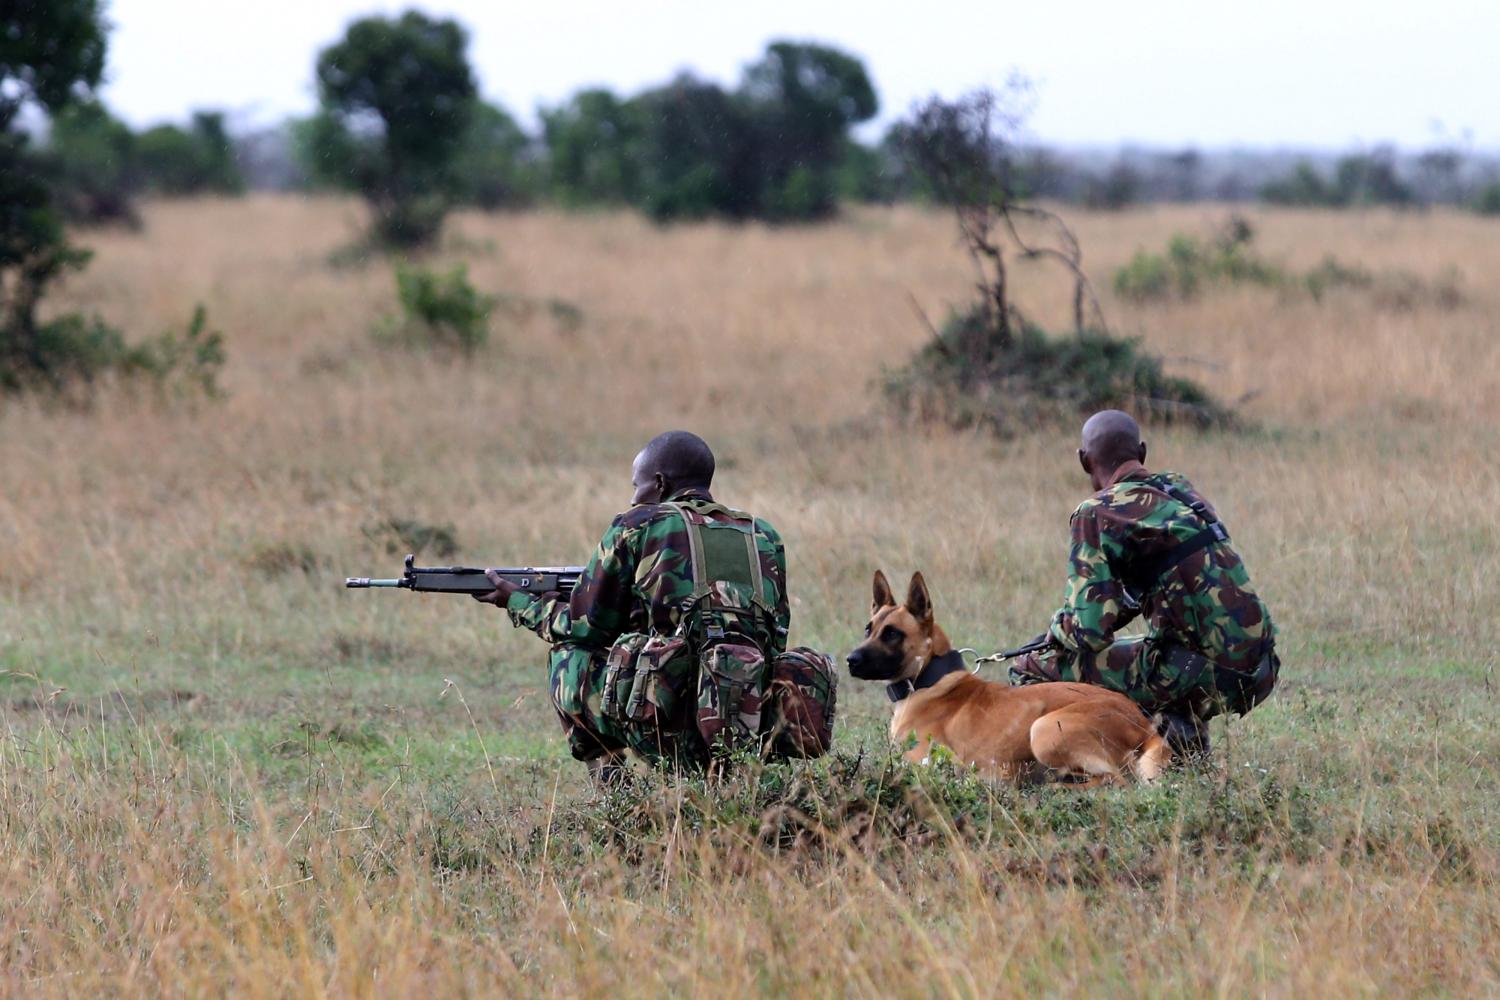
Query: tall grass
x=220, y=776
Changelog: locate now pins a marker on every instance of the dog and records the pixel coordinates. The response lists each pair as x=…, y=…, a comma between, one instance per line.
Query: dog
x=1057, y=731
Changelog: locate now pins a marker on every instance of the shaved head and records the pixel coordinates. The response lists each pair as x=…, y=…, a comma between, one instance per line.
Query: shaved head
x=670, y=462
x=1110, y=439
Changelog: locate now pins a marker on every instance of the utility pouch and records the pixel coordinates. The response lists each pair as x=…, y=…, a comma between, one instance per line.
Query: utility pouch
x=801, y=703
x=619, y=674
x=663, y=675
x=732, y=680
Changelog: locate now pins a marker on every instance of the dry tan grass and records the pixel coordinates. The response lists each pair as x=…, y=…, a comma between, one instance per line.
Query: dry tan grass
x=158, y=833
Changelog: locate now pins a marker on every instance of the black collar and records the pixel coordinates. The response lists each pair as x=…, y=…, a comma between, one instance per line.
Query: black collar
x=949, y=663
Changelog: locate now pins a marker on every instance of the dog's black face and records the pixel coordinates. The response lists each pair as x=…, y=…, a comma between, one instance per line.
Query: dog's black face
x=882, y=656
x=898, y=638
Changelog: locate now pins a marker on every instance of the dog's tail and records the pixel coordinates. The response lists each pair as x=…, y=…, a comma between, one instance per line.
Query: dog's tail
x=1152, y=759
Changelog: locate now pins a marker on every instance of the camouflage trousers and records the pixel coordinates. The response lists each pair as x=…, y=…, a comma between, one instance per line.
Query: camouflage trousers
x=1136, y=668
x=575, y=678
x=795, y=719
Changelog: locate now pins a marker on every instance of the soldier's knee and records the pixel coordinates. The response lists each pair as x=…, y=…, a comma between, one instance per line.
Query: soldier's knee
x=568, y=669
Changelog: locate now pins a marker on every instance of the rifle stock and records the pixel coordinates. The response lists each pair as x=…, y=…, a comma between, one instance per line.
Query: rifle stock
x=471, y=580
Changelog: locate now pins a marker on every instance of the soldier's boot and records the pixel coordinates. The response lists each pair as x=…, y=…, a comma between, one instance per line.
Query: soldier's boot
x=609, y=772
x=1187, y=736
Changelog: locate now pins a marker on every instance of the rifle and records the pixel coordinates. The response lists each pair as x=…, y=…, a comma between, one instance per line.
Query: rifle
x=468, y=580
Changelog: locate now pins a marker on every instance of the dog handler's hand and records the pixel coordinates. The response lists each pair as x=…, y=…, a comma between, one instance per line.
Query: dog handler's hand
x=503, y=589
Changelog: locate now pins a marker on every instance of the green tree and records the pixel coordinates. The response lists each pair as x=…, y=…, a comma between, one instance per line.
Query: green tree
x=51, y=54
x=396, y=99
x=594, y=149
x=1303, y=186
x=94, y=165
x=197, y=160
x=697, y=152
x=803, y=99
x=1370, y=179
x=494, y=167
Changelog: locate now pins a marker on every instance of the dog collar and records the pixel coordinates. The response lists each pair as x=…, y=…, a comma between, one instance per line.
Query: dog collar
x=949, y=663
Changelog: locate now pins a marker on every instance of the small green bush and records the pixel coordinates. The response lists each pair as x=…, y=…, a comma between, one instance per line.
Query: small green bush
x=1191, y=264
x=1487, y=202
x=438, y=310
x=180, y=364
x=70, y=354
x=973, y=376
x=1332, y=273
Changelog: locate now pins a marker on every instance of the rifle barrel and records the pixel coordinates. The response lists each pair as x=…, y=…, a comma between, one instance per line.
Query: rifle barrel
x=361, y=582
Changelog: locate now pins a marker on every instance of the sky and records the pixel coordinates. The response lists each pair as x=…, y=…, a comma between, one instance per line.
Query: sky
x=1315, y=74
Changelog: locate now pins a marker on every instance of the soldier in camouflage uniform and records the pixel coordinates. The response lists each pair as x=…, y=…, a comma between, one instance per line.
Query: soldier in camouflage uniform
x=636, y=582
x=1150, y=545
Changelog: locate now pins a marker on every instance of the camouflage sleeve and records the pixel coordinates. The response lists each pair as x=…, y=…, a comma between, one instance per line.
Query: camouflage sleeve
x=545, y=614
x=599, y=609
x=601, y=603
x=1094, y=607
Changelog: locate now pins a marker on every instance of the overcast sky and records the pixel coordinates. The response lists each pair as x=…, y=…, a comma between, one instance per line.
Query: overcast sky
x=1324, y=74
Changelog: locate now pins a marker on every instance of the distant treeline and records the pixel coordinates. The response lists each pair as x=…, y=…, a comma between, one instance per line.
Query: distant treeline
x=400, y=121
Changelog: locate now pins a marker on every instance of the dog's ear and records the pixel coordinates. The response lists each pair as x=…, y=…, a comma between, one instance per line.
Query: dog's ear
x=918, y=601
x=883, y=597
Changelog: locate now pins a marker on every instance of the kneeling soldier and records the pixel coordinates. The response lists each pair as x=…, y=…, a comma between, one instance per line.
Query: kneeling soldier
x=1150, y=545
x=674, y=641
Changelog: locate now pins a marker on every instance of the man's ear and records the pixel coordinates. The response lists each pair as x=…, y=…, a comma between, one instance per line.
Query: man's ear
x=1142, y=458
x=883, y=598
x=918, y=601
x=661, y=486
x=1083, y=460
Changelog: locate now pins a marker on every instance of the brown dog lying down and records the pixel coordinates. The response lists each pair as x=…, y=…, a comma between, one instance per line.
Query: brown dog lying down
x=1075, y=731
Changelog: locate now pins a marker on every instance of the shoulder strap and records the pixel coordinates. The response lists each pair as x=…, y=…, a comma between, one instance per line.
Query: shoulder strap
x=695, y=543
x=1150, y=571
x=722, y=560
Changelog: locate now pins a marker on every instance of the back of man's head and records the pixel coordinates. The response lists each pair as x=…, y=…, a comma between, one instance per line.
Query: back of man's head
x=681, y=457
x=1110, y=439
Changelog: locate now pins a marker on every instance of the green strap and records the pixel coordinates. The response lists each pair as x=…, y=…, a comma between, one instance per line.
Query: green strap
x=699, y=556
x=695, y=546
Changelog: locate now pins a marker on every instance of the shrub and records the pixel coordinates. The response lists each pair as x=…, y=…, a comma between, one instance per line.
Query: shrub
x=182, y=364
x=438, y=310
x=1190, y=264
x=195, y=160
x=94, y=165
x=73, y=351
x=1487, y=202
x=972, y=376
x=1332, y=273
x=492, y=168
x=1358, y=179
x=1117, y=189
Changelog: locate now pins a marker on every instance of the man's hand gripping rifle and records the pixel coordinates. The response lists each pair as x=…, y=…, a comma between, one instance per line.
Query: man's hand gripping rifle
x=467, y=580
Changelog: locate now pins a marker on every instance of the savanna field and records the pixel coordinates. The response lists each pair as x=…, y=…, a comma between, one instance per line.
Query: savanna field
x=220, y=772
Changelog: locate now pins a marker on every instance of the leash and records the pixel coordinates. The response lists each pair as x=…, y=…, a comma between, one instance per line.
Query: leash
x=1040, y=642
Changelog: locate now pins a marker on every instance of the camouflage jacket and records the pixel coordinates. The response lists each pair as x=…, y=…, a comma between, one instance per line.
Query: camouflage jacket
x=639, y=576
x=1205, y=602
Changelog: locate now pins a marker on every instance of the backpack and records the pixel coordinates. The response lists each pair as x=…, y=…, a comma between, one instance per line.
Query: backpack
x=709, y=686
x=728, y=628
